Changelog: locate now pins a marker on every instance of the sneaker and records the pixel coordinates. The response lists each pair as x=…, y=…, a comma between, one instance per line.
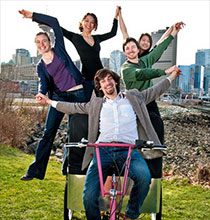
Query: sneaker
x=26, y=177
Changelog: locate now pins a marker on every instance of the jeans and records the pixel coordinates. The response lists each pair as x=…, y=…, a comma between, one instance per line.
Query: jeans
x=38, y=168
x=88, y=89
x=138, y=172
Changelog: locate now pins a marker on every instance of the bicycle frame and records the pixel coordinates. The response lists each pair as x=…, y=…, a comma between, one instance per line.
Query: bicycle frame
x=113, y=192
x=139, y=144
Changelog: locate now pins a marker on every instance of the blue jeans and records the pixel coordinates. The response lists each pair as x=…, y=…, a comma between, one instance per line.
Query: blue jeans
x=38, y=168
x=138, y=172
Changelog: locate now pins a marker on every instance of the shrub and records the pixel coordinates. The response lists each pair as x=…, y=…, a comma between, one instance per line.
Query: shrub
x=17, y=120
x=16, y=125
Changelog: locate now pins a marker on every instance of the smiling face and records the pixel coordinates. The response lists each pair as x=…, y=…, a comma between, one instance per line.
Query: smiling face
x=89, y=23
x=43, y=43
x=145, y=43
x=108, y=86
x=131, y=50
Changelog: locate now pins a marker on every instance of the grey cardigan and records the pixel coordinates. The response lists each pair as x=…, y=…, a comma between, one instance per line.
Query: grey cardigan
x=138, y=100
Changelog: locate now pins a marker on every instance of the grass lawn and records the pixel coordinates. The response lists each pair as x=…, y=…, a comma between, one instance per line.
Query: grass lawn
x=43, y=199
x=26, y=200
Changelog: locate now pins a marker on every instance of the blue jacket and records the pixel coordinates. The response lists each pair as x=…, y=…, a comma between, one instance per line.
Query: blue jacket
x=46, y=82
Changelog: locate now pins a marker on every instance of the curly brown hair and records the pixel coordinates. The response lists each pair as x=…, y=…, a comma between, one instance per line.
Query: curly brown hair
x=101, y=74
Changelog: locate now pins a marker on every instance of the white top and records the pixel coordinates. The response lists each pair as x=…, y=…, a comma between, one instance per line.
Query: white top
x=117, y=121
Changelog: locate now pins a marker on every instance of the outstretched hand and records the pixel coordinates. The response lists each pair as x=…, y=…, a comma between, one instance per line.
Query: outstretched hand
x=171, y=69
x=42, y=99
x=175, y=28
x=25, y=13
x=179, y=25
x=118, y=8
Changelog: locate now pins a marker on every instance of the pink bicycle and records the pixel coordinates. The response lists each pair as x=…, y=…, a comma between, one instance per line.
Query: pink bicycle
x=116, y=193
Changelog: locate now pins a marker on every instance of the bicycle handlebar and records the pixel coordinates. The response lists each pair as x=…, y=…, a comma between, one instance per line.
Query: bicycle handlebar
x=149, y=145
x=139, y=144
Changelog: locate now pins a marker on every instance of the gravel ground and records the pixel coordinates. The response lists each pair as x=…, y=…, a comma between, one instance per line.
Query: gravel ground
x=187, y=137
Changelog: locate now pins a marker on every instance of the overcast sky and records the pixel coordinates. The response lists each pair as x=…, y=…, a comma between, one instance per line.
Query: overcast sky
x=140, y=16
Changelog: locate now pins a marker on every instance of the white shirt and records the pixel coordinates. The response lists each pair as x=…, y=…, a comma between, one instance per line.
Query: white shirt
x=117, y=121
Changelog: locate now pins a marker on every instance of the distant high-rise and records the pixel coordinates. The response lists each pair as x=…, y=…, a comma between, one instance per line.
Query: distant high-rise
x=168, y=58
x=22, y=57
x=195, y=79
x=207, y=79
x=117, y=58
x=202, y=57
x=189, y=80
x=105, y=62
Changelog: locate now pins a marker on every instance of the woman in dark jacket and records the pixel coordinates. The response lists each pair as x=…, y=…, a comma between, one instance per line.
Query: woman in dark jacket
x=60, y=79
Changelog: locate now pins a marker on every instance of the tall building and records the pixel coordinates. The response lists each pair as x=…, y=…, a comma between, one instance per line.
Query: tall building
x=188, y=80
x=207, y=80
x=22, y=57
x=202, y=57
x=195, y=79
x=168, y=58
x=7, y=71
x=117, y=58
x=105, y=62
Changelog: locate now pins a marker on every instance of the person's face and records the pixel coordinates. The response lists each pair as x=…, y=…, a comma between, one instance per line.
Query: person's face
x=131, y=50
x=108, y=86
x=43, y=44
x=145, y=43
x=88, y=24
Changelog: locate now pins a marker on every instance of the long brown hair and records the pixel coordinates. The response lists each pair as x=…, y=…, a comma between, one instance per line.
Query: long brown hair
x=150, y=40
x=95, y=20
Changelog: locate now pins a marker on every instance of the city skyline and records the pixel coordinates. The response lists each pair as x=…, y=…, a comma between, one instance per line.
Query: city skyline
x=195, y=36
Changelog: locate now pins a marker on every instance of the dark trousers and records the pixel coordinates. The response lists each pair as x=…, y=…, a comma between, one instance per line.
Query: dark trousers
x=156, y=120
x=155, y=165
x=38, y=168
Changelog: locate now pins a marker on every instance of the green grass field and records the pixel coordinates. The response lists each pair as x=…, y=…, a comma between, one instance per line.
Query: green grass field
x=43, y=199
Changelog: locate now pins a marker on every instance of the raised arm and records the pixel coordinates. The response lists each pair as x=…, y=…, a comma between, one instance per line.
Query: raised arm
x=25, y=13
x=155, y=91
x=65, y=107
x=131, y=73
x=113, y=32
x=123, y=27
x=47, y=20
x=173, y=30
x=154, y=55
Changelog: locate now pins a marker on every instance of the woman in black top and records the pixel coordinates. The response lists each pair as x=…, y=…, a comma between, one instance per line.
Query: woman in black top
x=88, y=47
